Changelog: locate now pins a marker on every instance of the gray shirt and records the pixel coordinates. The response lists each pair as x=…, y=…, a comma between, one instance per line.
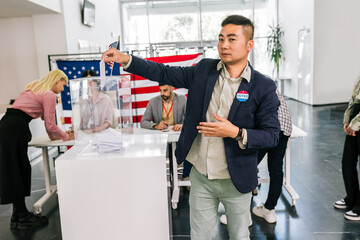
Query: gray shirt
x=153, y=112
x=207, y=154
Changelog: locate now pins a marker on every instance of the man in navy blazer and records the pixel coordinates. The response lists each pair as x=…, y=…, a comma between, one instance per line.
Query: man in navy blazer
x=231, y=113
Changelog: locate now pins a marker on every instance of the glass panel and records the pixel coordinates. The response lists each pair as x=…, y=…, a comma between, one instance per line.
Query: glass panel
x=265, y=15
x=261, y=58
x=94, y=104
x=125, y=103
x=215, y=11
x=99, y=107
x=135, y=22
x=173, y=21
x=177, y=22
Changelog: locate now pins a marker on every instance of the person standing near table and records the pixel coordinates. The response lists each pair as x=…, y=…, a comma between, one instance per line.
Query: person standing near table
x=275, y=166
x=231, y=112
x=350, y=158
x=38, y=100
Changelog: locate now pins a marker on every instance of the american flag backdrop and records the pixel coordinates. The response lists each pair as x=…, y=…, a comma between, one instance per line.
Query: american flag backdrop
x=142, y=90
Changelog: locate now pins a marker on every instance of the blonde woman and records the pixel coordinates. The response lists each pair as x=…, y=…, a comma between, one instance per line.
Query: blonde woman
x=38, y=100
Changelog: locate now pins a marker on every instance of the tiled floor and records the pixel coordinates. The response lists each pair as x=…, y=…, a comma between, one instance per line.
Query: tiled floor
x=315, y=175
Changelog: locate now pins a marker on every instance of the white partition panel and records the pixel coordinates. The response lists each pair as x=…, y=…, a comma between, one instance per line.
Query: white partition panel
x=115, y=196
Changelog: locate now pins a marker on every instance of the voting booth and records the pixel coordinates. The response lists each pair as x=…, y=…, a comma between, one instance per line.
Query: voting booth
x=96, y=101
x=101, y=106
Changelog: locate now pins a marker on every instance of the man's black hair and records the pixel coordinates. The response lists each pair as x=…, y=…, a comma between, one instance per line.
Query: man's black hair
x=240, y=20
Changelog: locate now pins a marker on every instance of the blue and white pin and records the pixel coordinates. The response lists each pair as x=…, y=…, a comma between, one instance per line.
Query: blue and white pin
x=242, y=96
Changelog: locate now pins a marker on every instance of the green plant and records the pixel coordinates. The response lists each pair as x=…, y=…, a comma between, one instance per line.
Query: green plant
x=274, y=47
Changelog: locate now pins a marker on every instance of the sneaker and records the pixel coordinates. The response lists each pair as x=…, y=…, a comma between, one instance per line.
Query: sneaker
x=268, y=215
x=340, y=204
x=31, y=220
x=350, y=215
x=223, y=220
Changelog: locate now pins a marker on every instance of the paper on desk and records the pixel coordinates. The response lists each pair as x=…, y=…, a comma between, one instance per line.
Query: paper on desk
x=168, y=129
x=102, y=73
x=109, y=140
x=173, y=136
x=109, y=143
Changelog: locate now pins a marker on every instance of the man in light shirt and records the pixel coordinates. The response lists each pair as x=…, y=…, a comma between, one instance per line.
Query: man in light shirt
x=231, y=112
x=275, y=158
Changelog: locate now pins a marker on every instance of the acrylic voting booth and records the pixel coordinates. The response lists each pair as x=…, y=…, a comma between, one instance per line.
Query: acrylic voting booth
x=100, y=108
x=98, y=104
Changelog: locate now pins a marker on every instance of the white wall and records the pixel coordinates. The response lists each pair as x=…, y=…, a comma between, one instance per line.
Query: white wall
x=50, y=38
x=294, y=16
x=26, y=42
x=25, y=45
x=18, y=58
x=53, y=5
x=107, y=21
x=336, y=50
x=335, y=47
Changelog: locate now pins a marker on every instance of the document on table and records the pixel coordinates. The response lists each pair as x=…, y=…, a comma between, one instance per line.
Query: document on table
x=109, y=140
x=173, y=136
x=109, y=143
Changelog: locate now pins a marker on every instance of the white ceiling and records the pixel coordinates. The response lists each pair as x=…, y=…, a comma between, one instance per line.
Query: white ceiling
x=21, y=8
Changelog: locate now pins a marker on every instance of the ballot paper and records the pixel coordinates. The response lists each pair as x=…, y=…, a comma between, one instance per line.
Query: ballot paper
x=107, y=141
x=102, y=73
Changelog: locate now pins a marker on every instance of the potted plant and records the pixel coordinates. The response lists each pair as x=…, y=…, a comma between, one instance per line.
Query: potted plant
x=274, y=47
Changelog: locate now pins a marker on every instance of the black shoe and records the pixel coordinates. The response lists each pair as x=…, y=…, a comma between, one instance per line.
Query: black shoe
x=31, y=220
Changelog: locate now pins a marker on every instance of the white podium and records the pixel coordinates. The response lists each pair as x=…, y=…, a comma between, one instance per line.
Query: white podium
x=115, y=196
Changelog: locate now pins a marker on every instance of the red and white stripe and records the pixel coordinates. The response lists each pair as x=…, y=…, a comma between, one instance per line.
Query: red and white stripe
x=142, y=90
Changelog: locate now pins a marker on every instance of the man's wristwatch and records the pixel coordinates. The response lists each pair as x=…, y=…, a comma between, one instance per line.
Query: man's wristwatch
x=238, y=137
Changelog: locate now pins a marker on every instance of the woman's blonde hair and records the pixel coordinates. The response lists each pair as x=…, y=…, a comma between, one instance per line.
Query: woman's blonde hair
x=46, y=83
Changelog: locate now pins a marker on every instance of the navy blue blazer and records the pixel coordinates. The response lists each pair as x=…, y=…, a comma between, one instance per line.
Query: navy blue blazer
x=258, y=115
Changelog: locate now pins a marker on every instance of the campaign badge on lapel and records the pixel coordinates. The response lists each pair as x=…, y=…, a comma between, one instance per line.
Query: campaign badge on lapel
x=242, y=96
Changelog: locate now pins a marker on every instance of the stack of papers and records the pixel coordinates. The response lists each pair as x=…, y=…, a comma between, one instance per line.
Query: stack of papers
x=107, y=143
x=108, y=140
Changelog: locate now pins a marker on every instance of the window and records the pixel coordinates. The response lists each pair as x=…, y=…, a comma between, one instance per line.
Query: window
x=167, y=27
x=214, y=11
x=134, y=24
x=173, y=21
